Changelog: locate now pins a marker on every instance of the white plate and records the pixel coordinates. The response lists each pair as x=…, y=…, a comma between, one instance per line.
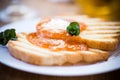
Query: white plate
x=113, y=62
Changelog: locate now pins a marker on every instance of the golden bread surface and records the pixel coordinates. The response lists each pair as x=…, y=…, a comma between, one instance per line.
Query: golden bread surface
x=100, y=38
x=22, y=49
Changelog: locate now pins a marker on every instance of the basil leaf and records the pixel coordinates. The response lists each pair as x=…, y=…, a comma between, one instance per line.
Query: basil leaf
x=7, y=35
x=73, y=28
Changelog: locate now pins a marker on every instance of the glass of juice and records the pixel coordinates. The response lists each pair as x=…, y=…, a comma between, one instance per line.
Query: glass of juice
x=105, y=9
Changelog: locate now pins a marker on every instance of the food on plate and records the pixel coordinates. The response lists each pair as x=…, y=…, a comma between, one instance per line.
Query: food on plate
x=60, y=40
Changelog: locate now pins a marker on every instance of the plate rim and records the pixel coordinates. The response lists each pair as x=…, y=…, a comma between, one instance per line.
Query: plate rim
x=9, y=65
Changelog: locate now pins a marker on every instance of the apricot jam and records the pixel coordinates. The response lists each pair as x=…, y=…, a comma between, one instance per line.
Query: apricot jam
x=56, y=39
x=56, y=44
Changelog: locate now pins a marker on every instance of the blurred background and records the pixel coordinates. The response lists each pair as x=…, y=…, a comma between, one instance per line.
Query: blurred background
x=15, y=10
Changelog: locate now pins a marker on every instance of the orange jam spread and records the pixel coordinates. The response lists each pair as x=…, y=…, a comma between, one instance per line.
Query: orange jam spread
x=56, y=38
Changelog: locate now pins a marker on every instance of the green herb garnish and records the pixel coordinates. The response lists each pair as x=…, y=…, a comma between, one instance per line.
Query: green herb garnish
x=7, y=35
x=73, y=29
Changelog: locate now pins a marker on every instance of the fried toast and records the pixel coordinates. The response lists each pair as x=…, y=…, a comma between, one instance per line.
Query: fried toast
x=100, y=39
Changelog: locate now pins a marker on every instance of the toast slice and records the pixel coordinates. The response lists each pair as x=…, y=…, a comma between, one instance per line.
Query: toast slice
x=22, y=49
x=104, y=34
x=89, y=21
x=103, y=37
x=100, y=39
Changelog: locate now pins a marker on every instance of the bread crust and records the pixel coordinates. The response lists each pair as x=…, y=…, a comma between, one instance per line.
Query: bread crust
x=27, y=52
x=100, y=41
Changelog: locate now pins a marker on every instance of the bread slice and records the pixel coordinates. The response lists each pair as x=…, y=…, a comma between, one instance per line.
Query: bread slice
x=99, y=34
x=101, y=37
x=89, y=21
x=22, y=49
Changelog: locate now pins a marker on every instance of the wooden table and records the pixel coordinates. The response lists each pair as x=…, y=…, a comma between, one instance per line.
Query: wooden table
x=45, y=8
x=7, y=73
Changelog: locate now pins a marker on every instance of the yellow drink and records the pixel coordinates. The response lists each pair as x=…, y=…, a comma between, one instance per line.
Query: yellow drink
x=106, y=9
